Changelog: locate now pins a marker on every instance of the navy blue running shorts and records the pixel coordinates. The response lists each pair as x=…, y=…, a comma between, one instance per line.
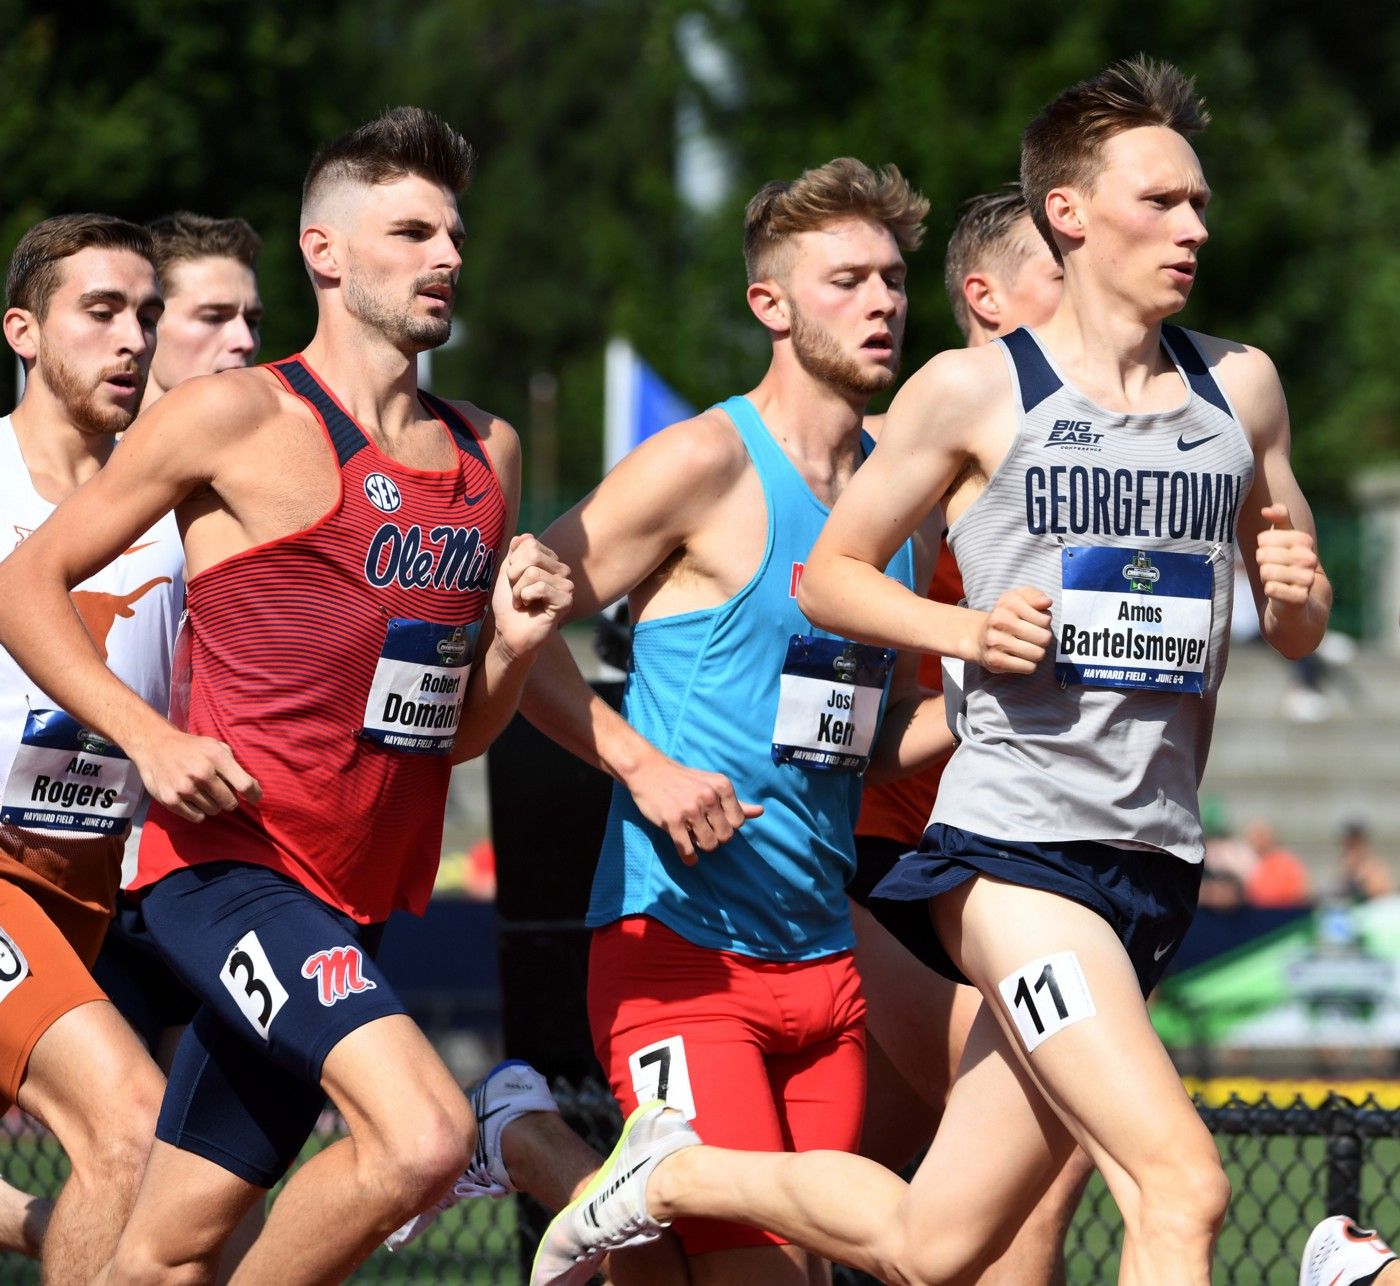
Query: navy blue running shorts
x=282, y=978
x=1148, y=897
x=137, y=980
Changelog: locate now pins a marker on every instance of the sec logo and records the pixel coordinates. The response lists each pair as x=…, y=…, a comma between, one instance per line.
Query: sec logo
x=382, y=493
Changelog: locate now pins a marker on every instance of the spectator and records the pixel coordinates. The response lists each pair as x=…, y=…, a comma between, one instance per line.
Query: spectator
x=1364, y=874
x=1278, y=879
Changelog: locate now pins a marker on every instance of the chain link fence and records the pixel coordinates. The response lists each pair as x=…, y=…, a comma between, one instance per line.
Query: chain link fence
x=1289, y=1164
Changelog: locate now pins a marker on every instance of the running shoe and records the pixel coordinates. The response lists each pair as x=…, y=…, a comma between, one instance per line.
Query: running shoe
x=505, y=1094
x=1339, y=1253
x=612, y=1211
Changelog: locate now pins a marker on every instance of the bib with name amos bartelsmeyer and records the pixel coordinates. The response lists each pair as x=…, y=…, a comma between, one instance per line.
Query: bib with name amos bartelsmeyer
x=1128, y=522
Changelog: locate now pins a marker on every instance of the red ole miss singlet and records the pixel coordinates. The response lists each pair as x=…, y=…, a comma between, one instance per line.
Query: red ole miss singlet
x=334, y=662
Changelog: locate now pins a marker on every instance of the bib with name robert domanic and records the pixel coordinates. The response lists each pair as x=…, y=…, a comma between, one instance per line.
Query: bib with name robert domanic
x=1128, y=522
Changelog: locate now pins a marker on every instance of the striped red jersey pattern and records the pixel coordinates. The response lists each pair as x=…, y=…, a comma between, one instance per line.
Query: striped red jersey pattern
x=284, y=640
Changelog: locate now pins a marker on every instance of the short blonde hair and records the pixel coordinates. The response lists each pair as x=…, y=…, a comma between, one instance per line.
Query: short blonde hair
x=840, y=189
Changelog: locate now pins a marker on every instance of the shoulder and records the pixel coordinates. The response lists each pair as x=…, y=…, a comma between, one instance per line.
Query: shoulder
x=498, y=436
x=705, y=449
x=1247, y=374
x=956, y=387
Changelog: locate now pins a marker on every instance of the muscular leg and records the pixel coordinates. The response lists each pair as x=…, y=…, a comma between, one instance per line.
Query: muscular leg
x=1162, y=1167
x=411, y=1135
x=90, y=1081
x=923, y=1020
x=186, y=1210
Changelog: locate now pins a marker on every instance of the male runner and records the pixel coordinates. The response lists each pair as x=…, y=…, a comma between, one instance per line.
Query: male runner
x=211, y=322
x=999, y=274
x=342, y=549
x=726, y=984
x=1117, y=462
x=213, y=313
x=81, y=309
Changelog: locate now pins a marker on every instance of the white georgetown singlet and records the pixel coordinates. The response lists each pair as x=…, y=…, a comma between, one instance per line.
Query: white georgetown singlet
x=1128, y=523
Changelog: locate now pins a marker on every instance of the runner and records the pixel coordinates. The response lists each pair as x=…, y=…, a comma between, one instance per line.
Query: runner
x=81, y=309
x=721, y=975
x=343, y=533
x=999, y=275
x=1118, y=462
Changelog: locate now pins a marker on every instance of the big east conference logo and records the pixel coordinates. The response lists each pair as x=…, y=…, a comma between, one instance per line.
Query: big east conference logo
x=337, y=974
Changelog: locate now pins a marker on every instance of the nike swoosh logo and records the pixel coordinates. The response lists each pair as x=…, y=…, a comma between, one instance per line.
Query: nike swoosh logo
x=1183, y=445
x=475, y=500
x=1161, y=951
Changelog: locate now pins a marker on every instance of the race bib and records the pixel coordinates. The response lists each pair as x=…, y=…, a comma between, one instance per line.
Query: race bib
x=68, y=778
x=415, y=701
x=829, y=703
x=1134, y=619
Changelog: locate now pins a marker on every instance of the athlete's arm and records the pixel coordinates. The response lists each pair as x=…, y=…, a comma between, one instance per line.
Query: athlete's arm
x=1277, y=537
x=178, y=446
x=914, y=732
x=924, y=444
x=531, y=595
x=639, y=515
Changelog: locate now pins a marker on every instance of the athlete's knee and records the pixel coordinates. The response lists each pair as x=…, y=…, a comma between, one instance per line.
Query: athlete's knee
x=1184, y=1199
x=113, y=1143
x=426, y=1152
x=140, y=1261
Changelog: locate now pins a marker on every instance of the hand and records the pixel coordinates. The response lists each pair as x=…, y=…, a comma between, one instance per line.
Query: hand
x=533, y=593
x=1288, y=563
x=195, y=777
x=1016, y=632
x=697, y=809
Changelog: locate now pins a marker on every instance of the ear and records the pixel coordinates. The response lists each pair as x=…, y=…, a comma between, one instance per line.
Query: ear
x=980, y=294
x=1064, y=208
x=321, y=249
x=768, y=302
x=22, y=334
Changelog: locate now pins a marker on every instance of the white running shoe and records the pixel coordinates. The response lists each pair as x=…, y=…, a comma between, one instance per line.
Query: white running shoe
x=612, y=1211
x=1339, y=1253
x=506, y=1093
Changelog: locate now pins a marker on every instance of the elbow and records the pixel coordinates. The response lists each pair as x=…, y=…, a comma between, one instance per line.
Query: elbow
x=809, y=599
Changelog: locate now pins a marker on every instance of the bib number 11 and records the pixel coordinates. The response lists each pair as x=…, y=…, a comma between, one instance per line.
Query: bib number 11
x=1046, y=996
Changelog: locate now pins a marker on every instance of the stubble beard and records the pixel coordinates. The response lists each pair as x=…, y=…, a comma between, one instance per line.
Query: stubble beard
x=821, y=357
x=399, y=325
x=80, y=400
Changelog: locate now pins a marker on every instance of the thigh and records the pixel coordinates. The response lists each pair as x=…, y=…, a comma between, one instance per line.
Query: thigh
x=280, y=968
x=225, y=1102
x=819, y=1086
x=919, y=1018
x=41, y=979
x=673, y=1021
x=1067, y=998
x=137, y=980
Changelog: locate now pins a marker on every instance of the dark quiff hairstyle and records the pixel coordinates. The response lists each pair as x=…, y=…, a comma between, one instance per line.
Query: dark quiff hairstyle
x=837, y=190
x=403, y=141
x=33, y=274
x=182, y=237
x=1063, y=146
x=984, y=235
